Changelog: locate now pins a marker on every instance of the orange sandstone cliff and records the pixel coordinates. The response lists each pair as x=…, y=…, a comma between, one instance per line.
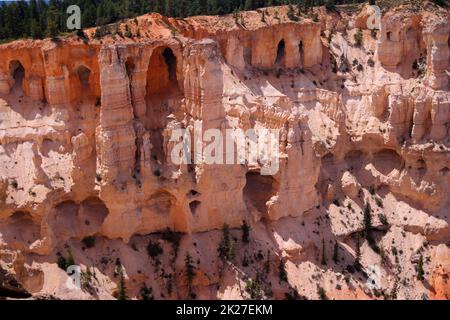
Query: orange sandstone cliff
x=364, y=115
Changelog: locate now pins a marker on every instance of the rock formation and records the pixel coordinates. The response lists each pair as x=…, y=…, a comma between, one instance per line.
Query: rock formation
x=363, y=115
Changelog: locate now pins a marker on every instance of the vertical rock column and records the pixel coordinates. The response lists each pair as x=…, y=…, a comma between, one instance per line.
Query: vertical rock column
x=203, y=87
x=115, y=135
x=436, y=38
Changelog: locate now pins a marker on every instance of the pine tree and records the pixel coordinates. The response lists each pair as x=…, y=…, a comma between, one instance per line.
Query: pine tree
x=190, y=271
x=35, y=30
x=367, y=221
x=122, y=295
x=248, y=5
x=52, y=27
x=122, y=288
x=419, y=269
x=282, y=272
x=357, y=252
x=245, y=232
x=226, y=247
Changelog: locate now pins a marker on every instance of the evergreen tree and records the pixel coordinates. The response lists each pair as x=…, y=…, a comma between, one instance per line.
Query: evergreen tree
x=226, y=247
x=245, y=232
x=190, y=271
x=248, y=5
x=38, y=18
x=282, y=272
x=367, y=221
x=122, y=294
x=358, y=252
x=336, y=252
x=35, y=29
x=52, y=26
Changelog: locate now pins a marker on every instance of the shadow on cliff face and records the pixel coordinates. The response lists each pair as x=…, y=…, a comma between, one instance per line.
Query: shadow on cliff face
x=258, y=190
x=162, y=92
x=19, y=230
x=387, y=161
x=77, y=220
x=17, y=73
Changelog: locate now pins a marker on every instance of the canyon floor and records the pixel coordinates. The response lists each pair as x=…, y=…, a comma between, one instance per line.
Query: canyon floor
x=359, y=208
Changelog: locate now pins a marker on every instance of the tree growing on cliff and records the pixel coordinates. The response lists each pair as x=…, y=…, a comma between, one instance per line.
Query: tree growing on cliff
x=190, y=272
x=357, y=263
x=122, y=290
x=245, y=232
x=226, y=247
x=358, y=38
x=282, y=274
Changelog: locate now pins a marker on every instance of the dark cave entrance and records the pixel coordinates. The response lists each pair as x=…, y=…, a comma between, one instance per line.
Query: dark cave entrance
x=84, y=74
x=171, y=62
x=258, y=190
x=281, y=53
x=17, y=73
x=84, y=78
x=161, y=92
x=301, y=53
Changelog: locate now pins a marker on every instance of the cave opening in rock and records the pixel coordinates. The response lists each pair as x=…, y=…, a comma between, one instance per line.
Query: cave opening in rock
x=84, y=74
x=171, y=62
x=258, y=190
x=281, y=52
x=84, y=78
x=389, y=35
x=19, y=230
x=17, y=73
x=301, y=53
x=194, y=206
x=387, y=161
x=162, y=93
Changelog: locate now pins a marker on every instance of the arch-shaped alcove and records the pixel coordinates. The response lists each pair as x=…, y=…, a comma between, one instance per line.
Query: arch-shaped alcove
x=19, y=230
x=83, y=85
x=162, y=72
x=281, y=53
x=17, y=74
x=165, y=210
x=258, y=190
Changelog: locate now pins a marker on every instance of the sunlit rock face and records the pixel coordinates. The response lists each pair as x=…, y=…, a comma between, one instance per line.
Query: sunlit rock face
x=362, y=119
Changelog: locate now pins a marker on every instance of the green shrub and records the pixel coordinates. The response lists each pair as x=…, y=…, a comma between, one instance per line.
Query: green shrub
x=253, y=288
x=226, y=247
x=358, y=38
x=154, y=249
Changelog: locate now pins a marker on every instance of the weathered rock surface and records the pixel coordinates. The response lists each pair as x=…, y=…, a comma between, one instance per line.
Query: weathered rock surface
x=86, y=157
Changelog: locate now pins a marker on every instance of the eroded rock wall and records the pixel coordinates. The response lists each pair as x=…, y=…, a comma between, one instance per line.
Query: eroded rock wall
x=86, y=152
